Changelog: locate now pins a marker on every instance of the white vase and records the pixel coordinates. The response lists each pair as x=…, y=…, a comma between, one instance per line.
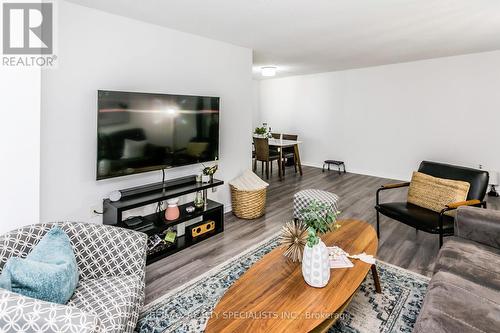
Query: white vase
x=315, y=265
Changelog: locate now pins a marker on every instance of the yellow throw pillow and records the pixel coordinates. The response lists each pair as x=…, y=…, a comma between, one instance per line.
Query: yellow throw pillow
x=435, y=193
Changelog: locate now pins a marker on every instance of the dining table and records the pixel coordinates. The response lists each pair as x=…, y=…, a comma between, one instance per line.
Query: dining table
x=280, y=144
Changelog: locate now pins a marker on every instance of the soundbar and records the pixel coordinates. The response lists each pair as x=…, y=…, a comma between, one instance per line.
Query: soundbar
x=156, y=187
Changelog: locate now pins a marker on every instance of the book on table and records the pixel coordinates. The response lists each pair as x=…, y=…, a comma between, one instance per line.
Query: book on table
x=338, y=258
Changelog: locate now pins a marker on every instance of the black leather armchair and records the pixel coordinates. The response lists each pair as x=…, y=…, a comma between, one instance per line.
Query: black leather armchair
x=427, y=220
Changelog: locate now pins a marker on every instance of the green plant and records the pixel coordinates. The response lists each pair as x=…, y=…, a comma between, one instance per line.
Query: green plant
x=210, y=170
x=312, y=238
x=319, y=218
x=260, y=130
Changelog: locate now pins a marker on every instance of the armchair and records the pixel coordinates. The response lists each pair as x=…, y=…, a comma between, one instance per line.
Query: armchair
x=427, y=220
x=110, y=293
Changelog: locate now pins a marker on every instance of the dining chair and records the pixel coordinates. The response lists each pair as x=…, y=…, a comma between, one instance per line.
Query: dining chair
x=264, y=155
x=289, y=152
x=273, y=150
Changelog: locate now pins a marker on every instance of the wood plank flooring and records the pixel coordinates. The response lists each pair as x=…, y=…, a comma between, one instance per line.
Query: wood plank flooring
x=399, y=244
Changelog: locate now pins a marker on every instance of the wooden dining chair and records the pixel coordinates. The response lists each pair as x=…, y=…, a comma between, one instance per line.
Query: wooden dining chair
x=264, y=155
x=274, y=150
x=289, y=152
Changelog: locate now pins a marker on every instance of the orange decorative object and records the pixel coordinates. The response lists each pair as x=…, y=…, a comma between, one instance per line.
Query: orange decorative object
x=172, y=212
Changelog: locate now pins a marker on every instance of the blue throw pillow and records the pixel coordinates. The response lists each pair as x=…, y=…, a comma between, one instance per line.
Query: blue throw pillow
x=48, y=273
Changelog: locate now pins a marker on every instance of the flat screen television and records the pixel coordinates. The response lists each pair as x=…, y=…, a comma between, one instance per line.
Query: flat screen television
x=140, y=132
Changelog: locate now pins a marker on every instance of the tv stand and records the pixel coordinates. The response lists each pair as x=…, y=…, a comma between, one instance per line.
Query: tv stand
x=155, y=223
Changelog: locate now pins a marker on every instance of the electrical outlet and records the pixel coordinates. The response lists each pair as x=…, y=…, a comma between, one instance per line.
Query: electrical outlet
x=95, y=210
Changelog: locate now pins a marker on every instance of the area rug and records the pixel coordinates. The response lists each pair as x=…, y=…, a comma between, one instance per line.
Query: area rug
x=187, y=308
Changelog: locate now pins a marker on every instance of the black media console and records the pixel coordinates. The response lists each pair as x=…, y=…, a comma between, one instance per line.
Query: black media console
x=155, y=223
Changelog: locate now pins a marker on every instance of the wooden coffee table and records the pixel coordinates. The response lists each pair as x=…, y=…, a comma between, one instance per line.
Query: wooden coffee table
x=272, y=295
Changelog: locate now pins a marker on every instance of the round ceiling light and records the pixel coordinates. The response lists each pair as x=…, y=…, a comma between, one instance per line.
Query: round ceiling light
x=268, y=71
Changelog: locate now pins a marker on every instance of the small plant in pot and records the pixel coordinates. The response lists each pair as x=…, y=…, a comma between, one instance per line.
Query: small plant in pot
x=208, y=173
x=320, y=219
x=260, y=131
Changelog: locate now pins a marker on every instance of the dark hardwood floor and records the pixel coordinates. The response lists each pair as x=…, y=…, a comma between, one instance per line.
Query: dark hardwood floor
x=399, y=244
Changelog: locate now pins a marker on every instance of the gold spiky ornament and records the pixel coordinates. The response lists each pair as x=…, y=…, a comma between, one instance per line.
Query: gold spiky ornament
x=294, y=238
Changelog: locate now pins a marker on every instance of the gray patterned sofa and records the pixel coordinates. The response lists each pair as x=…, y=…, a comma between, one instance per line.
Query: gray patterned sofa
x=464, y=293
x=110, y=293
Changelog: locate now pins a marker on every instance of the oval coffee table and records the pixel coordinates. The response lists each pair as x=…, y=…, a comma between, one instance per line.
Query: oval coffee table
x=272, y=295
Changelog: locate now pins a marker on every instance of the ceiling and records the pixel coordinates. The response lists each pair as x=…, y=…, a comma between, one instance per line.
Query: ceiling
x=311, y=36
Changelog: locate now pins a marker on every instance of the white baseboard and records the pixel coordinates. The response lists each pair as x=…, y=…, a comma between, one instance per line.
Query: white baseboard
x=228, y=208
x=358, y=171
x=311, y=164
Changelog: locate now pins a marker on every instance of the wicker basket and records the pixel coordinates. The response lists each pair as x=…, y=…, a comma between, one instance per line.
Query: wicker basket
x=248, y=204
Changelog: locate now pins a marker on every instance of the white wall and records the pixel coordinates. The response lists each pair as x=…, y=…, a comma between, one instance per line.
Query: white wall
x=19, y=147
x=98, y=50
x=256, y=117
x=384, y=120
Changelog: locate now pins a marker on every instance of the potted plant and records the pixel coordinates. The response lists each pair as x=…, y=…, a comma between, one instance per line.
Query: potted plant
x=260, y=131
x=320, y=219
x=208, y=173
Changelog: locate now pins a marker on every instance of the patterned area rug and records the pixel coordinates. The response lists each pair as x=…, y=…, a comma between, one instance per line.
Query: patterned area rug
x=188, y=308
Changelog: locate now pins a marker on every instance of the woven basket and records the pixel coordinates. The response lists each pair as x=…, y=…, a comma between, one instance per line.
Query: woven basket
x=248, y=204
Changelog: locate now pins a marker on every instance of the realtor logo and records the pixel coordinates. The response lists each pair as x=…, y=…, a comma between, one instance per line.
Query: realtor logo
x=28, y=34
x=27, y=28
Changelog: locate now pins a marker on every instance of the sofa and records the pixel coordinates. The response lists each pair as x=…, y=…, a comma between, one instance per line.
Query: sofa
x=110, y=293
x=464, y=292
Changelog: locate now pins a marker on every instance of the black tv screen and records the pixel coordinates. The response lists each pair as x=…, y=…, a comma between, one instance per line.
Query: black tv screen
x=140, y=132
